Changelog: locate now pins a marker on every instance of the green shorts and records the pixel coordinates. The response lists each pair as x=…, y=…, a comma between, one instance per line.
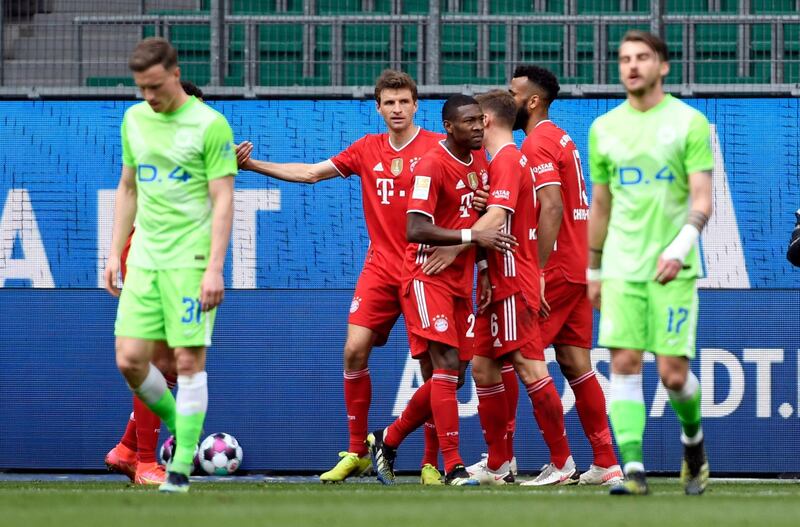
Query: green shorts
x=164, y=305
x=649, y=316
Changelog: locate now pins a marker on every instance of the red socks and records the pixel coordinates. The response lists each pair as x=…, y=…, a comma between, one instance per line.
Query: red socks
x=511, y=385
x=590, y=402
x=493, y=413
x=129, y=437
x=431, y=454
x=444, y=406
x=357, y=396
x=549, y=414
x=147, y=427
x=417, y=411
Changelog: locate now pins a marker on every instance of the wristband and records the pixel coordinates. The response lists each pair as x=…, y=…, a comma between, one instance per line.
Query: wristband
x=466, y=235
x=682, y=244
x=593, y=275
x=482, y=265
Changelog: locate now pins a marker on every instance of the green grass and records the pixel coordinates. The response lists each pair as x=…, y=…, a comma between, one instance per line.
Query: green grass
x=32, y=504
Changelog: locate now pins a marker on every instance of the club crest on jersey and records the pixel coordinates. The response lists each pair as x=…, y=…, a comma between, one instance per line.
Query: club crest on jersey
x=355, y=304
x=472, y=179
x=397, y=166
x=484, y=177
x=413, y=163
x=440, y=323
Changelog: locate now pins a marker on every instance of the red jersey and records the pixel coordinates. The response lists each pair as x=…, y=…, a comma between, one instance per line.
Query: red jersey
x=554, y=160
x=385, y=173
x=511, y=187
x=443, y=189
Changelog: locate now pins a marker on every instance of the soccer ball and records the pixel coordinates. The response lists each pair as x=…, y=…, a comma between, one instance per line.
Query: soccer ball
x=220, y=455
x=168, y=451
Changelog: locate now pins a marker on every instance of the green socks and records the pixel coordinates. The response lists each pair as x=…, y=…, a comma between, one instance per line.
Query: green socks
x=686, y=404
x=191, y=406
x=628, y=416
x=154, y=393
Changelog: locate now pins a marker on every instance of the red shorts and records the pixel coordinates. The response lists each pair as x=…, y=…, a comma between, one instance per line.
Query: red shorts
x=509, y=325
x=570, y=320
x=123, y=258
x=376, y=303
x=434, y=314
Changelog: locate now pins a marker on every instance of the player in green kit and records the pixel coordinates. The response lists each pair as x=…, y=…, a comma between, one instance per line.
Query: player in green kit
x=650, y=161
x=177, y=183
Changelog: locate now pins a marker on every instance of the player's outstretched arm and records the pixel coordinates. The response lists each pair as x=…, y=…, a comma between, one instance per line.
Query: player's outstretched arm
x=671, y=260
x=420, y=229
x=599, y=214
x=292, y=172
x=212, y=288
x=124, y=215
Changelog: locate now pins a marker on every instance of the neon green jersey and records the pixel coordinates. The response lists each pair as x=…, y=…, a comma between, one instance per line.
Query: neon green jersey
x=175, y=156
x=645, y=158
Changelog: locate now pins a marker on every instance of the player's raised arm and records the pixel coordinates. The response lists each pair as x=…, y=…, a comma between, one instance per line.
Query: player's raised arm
x=292, y=172
x=124, y=215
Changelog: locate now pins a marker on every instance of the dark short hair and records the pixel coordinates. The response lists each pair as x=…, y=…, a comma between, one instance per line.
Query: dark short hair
x=542, y=78
x=191, y=89
x=652, y=41
x=394, y=80
x=453, y=103
x=499, y=103
x=152, y=51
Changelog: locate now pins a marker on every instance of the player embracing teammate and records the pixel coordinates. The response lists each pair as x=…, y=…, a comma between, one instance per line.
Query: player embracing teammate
x=384, y=162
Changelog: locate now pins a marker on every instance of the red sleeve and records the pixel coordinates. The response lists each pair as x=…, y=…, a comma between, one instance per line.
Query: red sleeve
x=348, y=162
x=543, y=159
x=504, y=180
x=425, y=188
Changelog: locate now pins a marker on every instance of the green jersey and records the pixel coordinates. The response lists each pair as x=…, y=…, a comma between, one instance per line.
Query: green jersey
x=175, y=156
x=645, y=158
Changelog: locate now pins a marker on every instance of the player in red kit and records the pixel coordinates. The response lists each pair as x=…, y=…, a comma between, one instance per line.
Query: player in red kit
x=562, y=239
x=384, y=162
x=438, y=309
x=508, y=329
x=135, y=454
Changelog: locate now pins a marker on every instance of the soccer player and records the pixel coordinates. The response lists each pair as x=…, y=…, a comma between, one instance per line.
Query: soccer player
x=508, y=329
x=177, y=182
x=438, y=308
x=135, y=454
x=384, y=162
x=650, y=161
x=566, y=321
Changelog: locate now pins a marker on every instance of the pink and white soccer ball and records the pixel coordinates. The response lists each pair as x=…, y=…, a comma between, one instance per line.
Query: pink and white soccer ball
x=220, y=455
x=168, y=451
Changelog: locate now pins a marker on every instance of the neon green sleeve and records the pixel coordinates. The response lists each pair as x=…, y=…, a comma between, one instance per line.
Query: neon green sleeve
x=127, y=155
x=598, y=165
x=219, y=151
x=698, y=156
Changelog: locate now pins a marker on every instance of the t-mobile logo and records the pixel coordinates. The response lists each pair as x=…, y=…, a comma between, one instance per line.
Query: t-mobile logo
x=466, y=204
x=385, y=189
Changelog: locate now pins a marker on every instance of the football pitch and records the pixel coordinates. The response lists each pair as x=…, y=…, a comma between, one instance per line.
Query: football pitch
x=116, y=504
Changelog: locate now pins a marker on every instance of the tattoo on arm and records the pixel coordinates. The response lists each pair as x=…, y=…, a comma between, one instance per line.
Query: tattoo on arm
x=697, y=219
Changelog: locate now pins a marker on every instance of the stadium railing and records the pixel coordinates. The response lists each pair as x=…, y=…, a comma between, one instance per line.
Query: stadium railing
x=338, y=55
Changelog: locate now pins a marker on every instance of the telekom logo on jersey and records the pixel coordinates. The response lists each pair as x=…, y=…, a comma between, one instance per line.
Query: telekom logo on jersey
x=386, y=190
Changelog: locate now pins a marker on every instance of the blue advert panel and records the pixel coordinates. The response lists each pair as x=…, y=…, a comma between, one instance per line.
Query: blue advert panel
x=275, y=370
x=275, y=382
